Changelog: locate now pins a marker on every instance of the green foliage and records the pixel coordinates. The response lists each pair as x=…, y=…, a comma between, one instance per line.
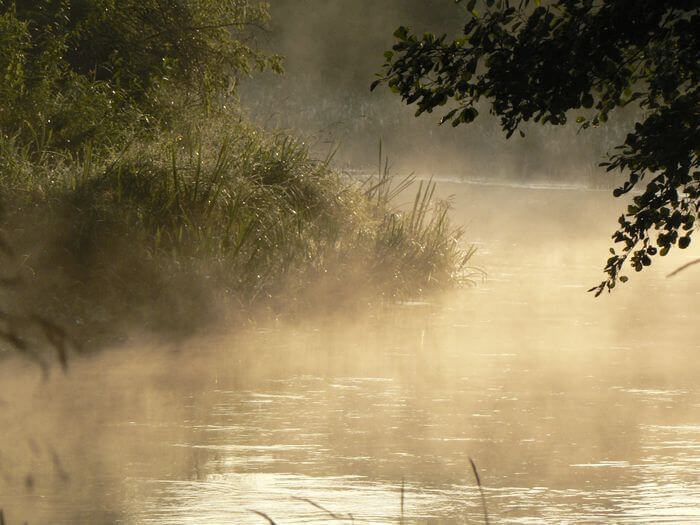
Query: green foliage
x=134, y=191
x=212, y=213
x=419, y=245
x=547, y=63
x=89, y=70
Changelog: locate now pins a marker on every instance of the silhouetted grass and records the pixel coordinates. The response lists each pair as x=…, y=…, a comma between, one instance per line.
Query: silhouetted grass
x=481, y=490
x=329, y=513
x=339, y=517
x=263, y=515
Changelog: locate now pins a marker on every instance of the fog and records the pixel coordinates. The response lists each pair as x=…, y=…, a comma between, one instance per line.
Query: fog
x=333, y=52
x=574, y=409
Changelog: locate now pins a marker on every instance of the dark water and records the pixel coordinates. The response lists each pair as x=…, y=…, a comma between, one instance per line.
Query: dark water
x=575, y=410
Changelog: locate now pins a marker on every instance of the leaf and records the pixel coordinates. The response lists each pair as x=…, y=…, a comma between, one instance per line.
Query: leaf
x=468, y=115
x=448, y=116
x=401, y=32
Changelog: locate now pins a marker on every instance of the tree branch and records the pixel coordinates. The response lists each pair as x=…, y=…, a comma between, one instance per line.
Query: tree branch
x=681, y=268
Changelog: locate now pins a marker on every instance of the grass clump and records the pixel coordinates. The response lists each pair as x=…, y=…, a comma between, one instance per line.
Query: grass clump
x=132, y=193
x=213, y=217
x=418, y=243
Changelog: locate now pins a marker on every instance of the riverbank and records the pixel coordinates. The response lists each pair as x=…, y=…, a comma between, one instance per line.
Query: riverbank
x=136, y=198
x=206, y=221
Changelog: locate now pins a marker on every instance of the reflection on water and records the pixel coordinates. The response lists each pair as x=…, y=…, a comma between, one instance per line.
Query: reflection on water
x=575, y=410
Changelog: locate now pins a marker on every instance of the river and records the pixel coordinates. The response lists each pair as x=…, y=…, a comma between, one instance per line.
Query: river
x=574, y=409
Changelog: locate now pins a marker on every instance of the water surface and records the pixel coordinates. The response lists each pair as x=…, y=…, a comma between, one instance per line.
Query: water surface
x=575, y=410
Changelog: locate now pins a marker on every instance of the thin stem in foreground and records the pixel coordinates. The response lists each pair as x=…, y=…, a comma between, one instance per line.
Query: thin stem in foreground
x=481, y=491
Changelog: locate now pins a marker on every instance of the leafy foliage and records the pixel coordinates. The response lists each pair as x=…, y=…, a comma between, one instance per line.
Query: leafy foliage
x=136, y=193
x=79, y=70
x=576, y=58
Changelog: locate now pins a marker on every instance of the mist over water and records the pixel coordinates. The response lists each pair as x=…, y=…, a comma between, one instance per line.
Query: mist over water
x=333, y=52
x=574, y=409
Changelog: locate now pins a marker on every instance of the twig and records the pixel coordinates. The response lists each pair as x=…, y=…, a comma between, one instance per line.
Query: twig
x=680, y=269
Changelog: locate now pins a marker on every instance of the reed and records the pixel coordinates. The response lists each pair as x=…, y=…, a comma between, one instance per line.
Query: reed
x=329, y=513
x=420, y=244
x=210, y=214
x=481, y=491
x=263, y=515
x=402, y=493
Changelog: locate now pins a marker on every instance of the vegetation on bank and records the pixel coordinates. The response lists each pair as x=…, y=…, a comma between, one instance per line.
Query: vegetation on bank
x=133, y=193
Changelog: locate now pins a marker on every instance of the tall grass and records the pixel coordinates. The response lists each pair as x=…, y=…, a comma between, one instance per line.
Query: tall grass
x=420, y=244
x=213, y=216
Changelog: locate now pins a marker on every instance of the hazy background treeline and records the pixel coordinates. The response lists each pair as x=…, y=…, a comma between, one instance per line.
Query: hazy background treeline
x=333, y=49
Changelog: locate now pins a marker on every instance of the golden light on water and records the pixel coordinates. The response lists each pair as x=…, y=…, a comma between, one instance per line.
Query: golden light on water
x=573, y=408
